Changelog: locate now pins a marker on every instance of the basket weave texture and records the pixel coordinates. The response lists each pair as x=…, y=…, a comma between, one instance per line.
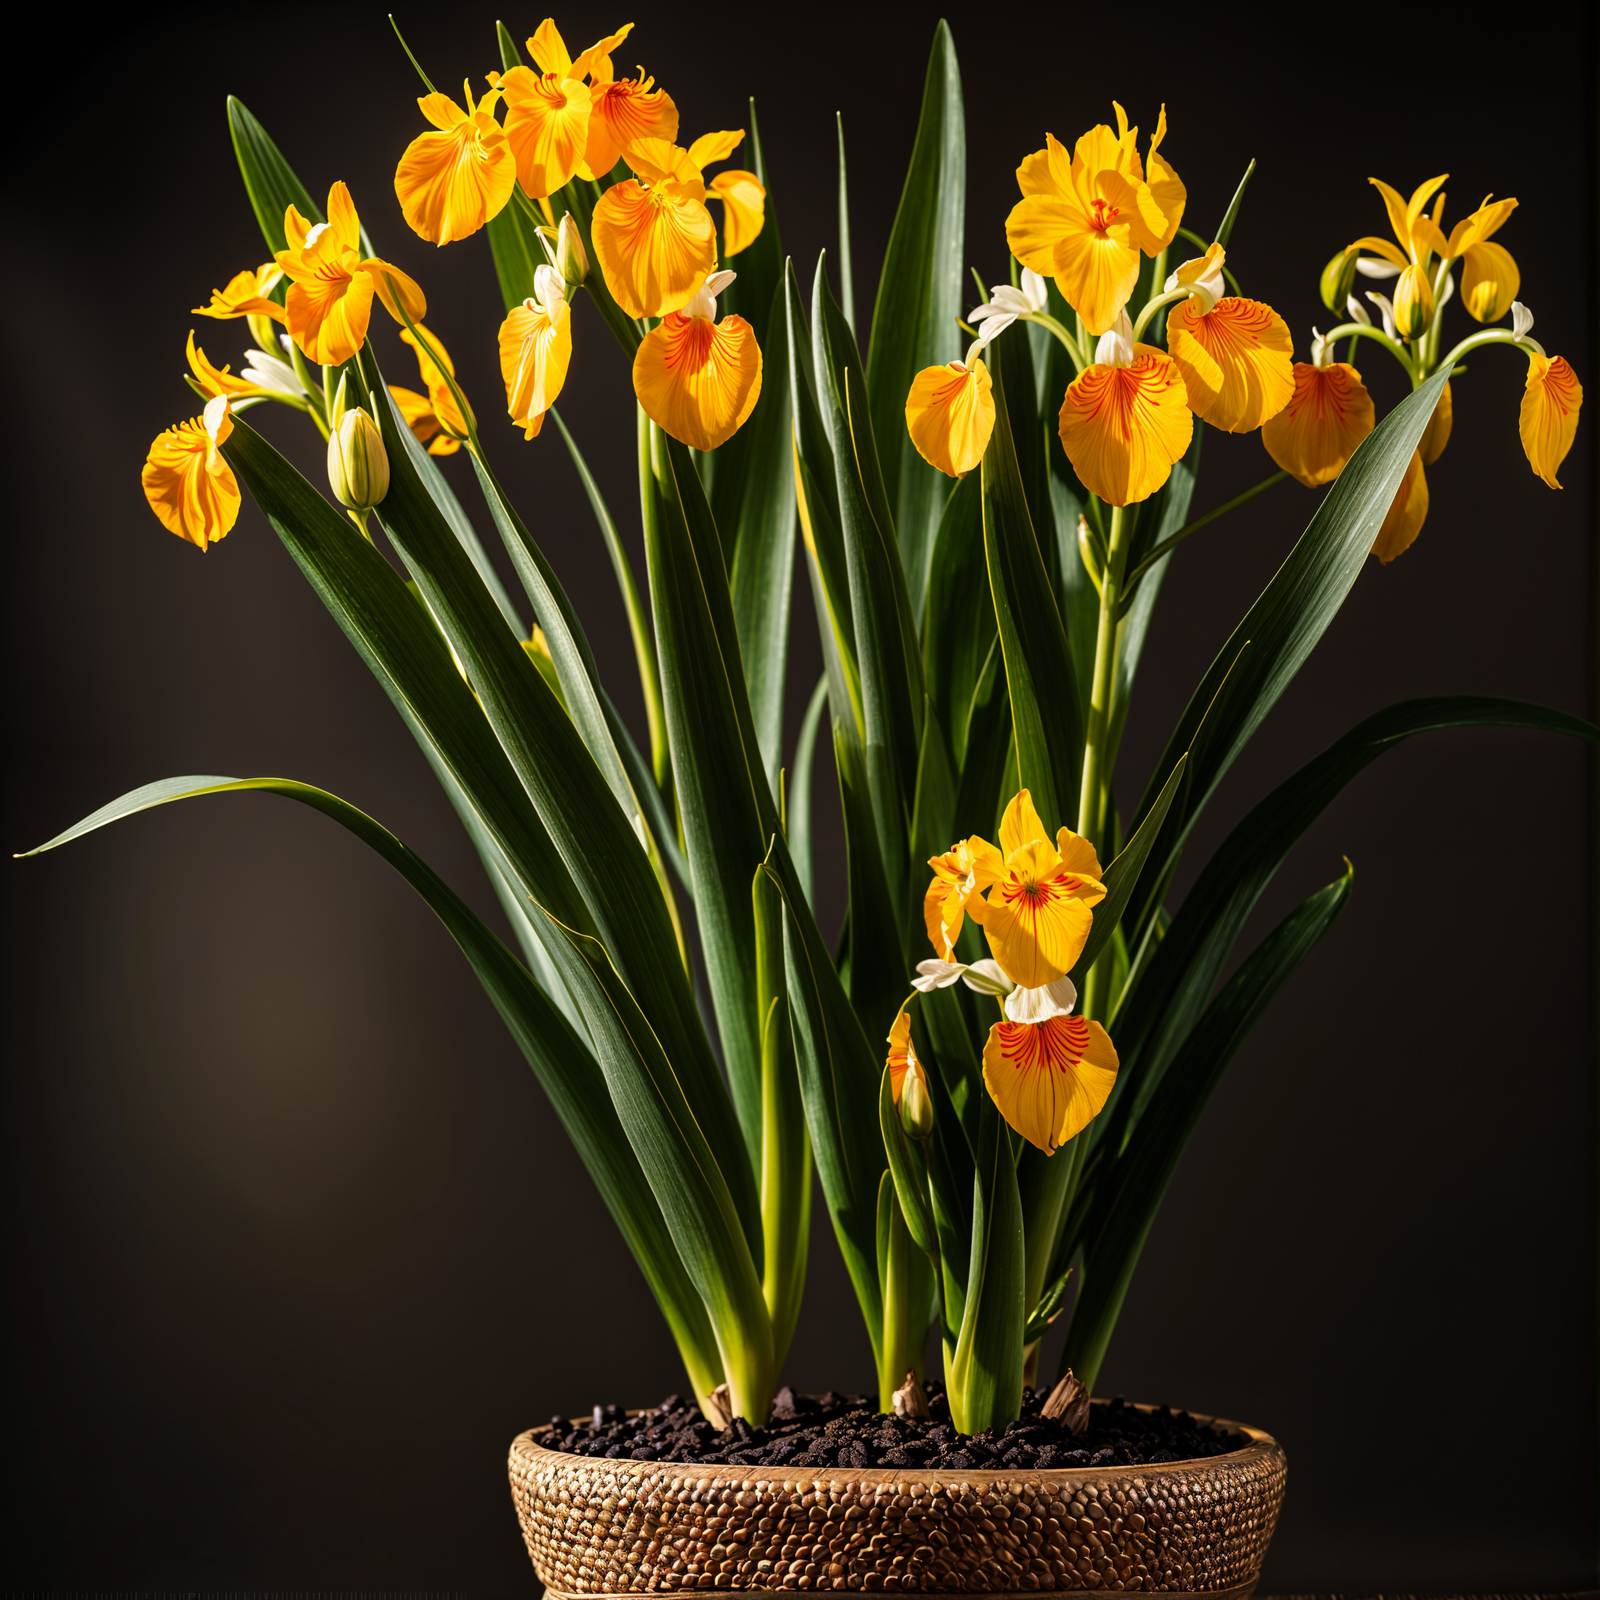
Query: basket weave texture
x=604, y=1526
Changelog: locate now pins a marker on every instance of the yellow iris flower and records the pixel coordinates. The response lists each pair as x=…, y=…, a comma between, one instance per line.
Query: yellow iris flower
x=950, y=414
x=1328, y=415
x=1549, y=416
x=1032, y=899
x=697, y=378
x=653, y=237
x=452, y=181
x=1049, y=1079
x=1126, y=419
x=1236, y=355
x=246, y=295
x=1489, y=277
x=219, y=380
x=329, y=304
x=1084, y=220
x=743, y=195
x=187, y=483
x=535, y=351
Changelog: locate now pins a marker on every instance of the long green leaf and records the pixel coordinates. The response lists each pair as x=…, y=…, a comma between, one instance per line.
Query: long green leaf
x=269, y=180
x=724, y=802
x=918, y=301
x=1039, y=672
x=957, y=632
x=798, y=821
x=518, y=255
x=566, y=1071
x=1127, y=1203
x=763, y=554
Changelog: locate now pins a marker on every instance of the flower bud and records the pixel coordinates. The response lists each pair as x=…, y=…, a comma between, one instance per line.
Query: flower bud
x=358, y=464
x=1413, y=303
x=916, y=1103
x=1338, y=277
x=572, y=260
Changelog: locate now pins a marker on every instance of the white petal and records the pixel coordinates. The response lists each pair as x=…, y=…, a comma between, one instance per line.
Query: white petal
x=271, y=373
x=549, y=290
x=936, y=974
x=1375, y=267
x=1115, y=348
x=1382, y=302
x=216, y=409
x=987, y=978
x=1521, y=320
x=1319, y=349
x=315, y=232
x=1035, y=290
x=1356, y=311
x=1039, y=1005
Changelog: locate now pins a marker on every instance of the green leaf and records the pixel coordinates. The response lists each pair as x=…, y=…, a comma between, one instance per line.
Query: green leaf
x=1039, y=673
x=518, y=255
x=564, y=1067
x=763, y=555
x=847, y=284
x=510, y=56
x=918, y=301
x=1127, y=1202
x=270, y=181
x=1284, y=625
x=798, y=822
x=727, y=810
x=958, y=627
x=1173, y=987
x=887, y=649
x=839, y=1073
x=985, y=1379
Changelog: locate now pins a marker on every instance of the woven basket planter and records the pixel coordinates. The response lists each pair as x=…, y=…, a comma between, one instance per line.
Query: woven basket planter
x=599, y=1526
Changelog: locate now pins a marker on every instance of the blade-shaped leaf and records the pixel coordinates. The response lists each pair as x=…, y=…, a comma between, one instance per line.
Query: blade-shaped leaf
x=563, y=1065
x=958, y=629
x=798, y=821
x=1038, y=663
x=918, y=301
x=1128, y=1198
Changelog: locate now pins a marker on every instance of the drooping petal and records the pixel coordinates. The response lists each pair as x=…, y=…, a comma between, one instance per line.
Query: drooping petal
x=1474, y=229
x=744, y=201
x=219, y=380
x=901, y=1053
x=1237, y=361
x=698, y=380
x=1049, y=1079
x=655, y=246
x=450, y=182
x=1406, y=516
x=713, y=147
x=950, y=415
x=1489, y=282
x=1329, y=414
x=1123, y=427
x=382, y=275
x=245, y=296
x=624, y=110
x=1437, y=434
x=187, y=483
x=1034, y=919
x=446, y=413
x=418, y=414
x=535, y=351
x=547, y=128
x=1549, y=419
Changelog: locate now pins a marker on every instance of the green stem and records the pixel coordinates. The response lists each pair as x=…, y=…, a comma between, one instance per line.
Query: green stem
x=1155, y=303
x=1168, y=544
x=1491, y=336
x=1361, y=330
x=1073, y=349
x=1092, y=795
x=411, y=58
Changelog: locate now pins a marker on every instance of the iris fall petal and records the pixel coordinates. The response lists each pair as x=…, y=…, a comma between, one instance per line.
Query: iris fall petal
x=1237, y=361
x=1049, y=1079
x=1329, y=414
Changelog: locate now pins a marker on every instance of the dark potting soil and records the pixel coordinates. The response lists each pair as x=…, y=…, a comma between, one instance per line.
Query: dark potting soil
x=840, y=1430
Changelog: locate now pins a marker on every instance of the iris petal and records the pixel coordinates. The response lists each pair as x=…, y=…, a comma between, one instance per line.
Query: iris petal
x=1406, y=515
x=1329, y=414
x=1123, y=427
x=950, y=415
x=1549, y=418
x=1049, y=1079
x=698, y=380
x=188, y=485
x=1236, y=361
x=655, y=246
x=547, y=128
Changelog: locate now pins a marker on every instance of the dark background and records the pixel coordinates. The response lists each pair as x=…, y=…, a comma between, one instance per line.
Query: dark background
x=294, y=1244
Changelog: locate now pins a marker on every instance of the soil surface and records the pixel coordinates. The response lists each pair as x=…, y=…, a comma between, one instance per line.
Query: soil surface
x=842, y=1430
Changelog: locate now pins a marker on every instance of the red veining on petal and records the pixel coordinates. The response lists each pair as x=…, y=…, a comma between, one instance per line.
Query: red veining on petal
x=1057, y=1045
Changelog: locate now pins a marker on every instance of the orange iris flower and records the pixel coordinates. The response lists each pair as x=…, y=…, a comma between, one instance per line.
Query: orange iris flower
x=1084, y=220
x=653, y=237
x=697, y=378
x=451, y=182
x=950, y=414
x=329, y=304
x=220, y=380
x=1032, y=899
x=1328, y=415
x=246, y=295
x=1235, y=355
x=187, y=483
x=1126, y=419
x=535, y=350
x=1049, y=1079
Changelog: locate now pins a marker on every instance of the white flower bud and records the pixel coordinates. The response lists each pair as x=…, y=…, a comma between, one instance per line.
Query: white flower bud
x=358, y=464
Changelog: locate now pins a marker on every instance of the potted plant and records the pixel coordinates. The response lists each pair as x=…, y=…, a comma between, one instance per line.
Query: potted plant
x=1001, y=1126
